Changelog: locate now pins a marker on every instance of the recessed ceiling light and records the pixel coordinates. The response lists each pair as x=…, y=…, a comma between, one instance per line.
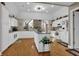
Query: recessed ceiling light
x=52, y=5
x=28, y=3
x=39, y=8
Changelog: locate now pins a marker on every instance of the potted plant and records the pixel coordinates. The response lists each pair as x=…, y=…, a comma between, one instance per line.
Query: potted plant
x=45, y=40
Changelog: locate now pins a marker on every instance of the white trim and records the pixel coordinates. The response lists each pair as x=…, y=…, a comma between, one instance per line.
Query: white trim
x=71, y=22
x=74, y=9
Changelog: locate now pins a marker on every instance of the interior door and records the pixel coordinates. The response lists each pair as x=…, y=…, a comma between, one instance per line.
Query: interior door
x=76, y=29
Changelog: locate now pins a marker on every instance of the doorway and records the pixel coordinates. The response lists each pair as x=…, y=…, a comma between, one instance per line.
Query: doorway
x=76, y=29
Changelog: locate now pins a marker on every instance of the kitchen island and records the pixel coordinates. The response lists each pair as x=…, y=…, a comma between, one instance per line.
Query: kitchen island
x=39, y=45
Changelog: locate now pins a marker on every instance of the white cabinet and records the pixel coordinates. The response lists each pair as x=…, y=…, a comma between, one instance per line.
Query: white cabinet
x=64, y=36
x=25, y=34
x=39, y=46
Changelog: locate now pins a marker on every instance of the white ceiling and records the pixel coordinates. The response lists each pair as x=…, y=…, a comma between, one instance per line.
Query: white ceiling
x=18, y=8
x=23, y=7
x=62, y=3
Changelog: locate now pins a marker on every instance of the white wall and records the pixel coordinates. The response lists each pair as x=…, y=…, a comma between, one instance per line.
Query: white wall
x=5, y=27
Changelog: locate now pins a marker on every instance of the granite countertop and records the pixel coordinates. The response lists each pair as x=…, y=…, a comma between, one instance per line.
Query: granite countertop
x=43, y=32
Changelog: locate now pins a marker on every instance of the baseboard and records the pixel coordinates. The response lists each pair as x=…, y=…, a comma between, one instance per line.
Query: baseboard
x=0, y=53
x=70, y=47
x=73, y=52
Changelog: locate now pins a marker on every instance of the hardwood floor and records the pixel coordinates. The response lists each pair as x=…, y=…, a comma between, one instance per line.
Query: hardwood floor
x=59, y=50
x=23, y=47
x=26, y=47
